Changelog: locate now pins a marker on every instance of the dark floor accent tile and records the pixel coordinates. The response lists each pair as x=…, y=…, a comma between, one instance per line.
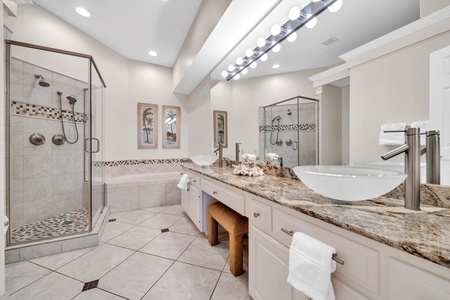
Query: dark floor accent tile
x=111, y=220
x=90, y=285
x=165, y=230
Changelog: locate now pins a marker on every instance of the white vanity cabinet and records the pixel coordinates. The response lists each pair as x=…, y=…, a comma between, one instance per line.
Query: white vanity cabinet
x=191, y=199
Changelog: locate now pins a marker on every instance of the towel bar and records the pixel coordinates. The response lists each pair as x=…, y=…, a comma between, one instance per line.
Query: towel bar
x=334, y=257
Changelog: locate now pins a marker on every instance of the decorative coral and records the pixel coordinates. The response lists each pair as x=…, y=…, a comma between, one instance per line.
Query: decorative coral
x=248, y=166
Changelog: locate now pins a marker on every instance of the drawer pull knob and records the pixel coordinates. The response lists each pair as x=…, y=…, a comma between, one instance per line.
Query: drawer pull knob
x=195, y=181
x=214, y=192
x=256, y=214
x=334, y=257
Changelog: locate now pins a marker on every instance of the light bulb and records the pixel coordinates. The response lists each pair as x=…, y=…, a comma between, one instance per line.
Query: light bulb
x=152, y=53
x=231, y=68
x=292, y=37
x=261, y=42
x=335, y=6
x=253, y=65
x=239, y=60
x=249, y=52
x=83, y=11
x=237, y=76
x=224, y=74
x=277, y=48
x=294, y=13
x=311, y=23
x=275, y=66
x=276, y=29
x=264, y=57
x=315, y=0
x=245, y=71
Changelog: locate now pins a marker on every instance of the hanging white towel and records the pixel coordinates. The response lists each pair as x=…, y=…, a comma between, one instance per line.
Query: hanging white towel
x=310, y=267
x=392, y=138
x=183, y=183
x=424, y=127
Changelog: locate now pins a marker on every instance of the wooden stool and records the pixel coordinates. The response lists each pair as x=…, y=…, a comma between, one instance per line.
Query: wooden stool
x=236, y=225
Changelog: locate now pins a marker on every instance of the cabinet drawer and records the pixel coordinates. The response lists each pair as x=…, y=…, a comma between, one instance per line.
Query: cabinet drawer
x=194, y=178
x=259, y=214
x=361, y=264
x=225, y=195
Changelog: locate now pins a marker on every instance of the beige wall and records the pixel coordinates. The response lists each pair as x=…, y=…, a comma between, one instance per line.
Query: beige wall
x=345, y=125
x=430, y=6
x=390, y=89
x=331, y=110
x=3, y=158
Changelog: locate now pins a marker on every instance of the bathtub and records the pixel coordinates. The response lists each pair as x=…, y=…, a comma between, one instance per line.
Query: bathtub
x=141, y=191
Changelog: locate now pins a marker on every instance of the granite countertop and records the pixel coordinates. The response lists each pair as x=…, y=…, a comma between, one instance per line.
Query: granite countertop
x=424, y=233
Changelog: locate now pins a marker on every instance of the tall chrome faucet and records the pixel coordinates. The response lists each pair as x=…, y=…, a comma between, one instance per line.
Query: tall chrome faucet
x=433, y=157
x=220, y=150
x=412, y=163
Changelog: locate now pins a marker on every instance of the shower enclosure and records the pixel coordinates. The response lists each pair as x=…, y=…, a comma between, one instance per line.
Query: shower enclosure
x=289, y=129
x=54, y=131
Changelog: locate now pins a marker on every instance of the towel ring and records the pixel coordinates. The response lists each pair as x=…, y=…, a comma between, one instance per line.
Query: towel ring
x=334, y=257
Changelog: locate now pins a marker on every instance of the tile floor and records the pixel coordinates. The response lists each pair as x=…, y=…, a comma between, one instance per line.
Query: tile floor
x=134, y=260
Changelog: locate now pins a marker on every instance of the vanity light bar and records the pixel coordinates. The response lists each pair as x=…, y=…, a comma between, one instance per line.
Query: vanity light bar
x=309, y=12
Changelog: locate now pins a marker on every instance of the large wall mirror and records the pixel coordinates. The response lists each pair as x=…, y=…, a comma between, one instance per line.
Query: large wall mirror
x=349, y=115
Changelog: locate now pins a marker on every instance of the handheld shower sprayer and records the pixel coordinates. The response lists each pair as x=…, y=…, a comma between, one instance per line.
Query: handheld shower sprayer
x=72, y=102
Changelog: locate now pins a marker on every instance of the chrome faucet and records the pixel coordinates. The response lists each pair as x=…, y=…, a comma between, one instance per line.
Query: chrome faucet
x=220, y=150
x=237, y=151
x=433, y=157
x=412, y=163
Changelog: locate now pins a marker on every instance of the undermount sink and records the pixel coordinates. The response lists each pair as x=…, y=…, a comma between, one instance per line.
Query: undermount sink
x=349, y=183
x=204, y=160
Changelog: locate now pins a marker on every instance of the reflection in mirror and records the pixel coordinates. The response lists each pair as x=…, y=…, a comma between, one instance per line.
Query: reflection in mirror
x=289, y=132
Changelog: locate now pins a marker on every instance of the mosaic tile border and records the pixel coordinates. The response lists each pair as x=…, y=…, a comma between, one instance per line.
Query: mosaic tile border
x=291, y=127
x=45, y=112
x=132, y=162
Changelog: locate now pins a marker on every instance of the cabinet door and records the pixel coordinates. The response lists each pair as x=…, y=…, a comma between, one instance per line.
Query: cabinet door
x=269, y=268
x=184, y=200
x=194, y=205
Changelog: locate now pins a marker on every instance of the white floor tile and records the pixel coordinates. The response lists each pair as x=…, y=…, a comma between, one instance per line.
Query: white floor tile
x=135, y=276
x=183, y=281
x=185, y=225
x=97, y=294
x=135, y=217
x=230, y=287
x=168, y=244
x=56, y=261
x=160, y=221
x=113, y=229
x=175, y=210
x=21, y=274
x=135, y=238
x=52, y=286
x=100, y=261
x=201, y=253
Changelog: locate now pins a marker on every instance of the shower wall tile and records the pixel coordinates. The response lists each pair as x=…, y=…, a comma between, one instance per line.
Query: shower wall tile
x=16, y=217
x=16, y=167
x=151, y=195
x=63, y=84
x=63, y=184
x=35, y=251
x=64, y=203
x=32, y=124
x=37, y=165
x=63, y=164
x=63, y=149
x=37, y=188
x=16, y=91
x=38, y=209
x=16, y=191
x=16, y=71
x=124, y=198
x=29, y=80
x=37, y=96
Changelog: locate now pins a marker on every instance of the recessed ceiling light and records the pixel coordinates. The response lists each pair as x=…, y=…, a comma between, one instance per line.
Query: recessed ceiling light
x=83, y=11
x=152, y=53
x=275, y=66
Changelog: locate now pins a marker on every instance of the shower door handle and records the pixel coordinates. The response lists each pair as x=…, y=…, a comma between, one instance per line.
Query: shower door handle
x=295, y=145
x=86, y=143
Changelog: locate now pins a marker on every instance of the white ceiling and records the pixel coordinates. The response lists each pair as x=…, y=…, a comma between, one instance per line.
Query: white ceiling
x=132, y=28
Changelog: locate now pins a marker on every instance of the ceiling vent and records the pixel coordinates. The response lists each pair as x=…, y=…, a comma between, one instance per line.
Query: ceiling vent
x=330, y=41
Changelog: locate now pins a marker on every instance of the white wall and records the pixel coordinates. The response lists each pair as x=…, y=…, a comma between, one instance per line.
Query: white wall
x=128, y=82
x=390, y=89
x=331, y=110
x=345, y=124
x=243, y=97
x=430, y=6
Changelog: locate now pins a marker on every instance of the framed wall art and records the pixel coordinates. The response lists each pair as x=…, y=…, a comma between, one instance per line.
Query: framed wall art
x=147, y=126
x=220, y=128
x=171, y=127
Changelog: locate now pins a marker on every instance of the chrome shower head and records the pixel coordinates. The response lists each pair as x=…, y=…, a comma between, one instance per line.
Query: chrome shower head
x=289, y=112
x=42, y=81
x=72, y=100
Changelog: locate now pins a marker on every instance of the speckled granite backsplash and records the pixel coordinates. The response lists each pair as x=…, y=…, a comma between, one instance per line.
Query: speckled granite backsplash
x=424, y=233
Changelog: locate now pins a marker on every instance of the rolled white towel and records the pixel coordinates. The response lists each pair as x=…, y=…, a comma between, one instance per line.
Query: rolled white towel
x=183, y=183
x=392, y=138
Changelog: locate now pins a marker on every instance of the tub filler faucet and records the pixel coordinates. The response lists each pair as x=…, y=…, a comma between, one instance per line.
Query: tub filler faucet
x=220, y=150
x=412, y=162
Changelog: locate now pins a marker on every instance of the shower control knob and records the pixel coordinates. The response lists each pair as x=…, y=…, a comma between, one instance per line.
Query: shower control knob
x=6, y=223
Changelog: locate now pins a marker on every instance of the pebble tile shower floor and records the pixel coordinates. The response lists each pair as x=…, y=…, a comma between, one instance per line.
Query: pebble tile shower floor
x=135, y=260
x=71, y=222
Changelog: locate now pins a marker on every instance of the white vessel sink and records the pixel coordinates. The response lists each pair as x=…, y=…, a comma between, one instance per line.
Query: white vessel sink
x=349, y=183
x=204, y=160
